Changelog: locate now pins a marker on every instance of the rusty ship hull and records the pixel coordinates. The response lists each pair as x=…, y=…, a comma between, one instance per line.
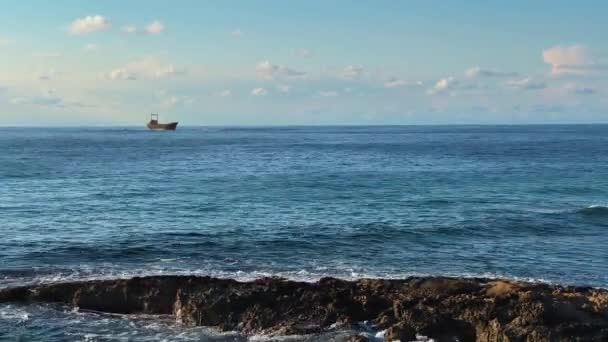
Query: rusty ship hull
x=162, y=127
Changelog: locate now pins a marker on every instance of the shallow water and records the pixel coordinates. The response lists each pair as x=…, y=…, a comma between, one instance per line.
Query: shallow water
x=60, y=323
x=527, y=202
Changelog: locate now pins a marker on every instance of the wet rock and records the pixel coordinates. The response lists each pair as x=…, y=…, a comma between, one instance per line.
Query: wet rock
x=357, y=338
x=445, y=309
x=400, y=332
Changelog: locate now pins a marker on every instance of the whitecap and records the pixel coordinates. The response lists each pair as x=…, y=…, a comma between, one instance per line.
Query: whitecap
x=14, y=313
x=595, y=210
x=422, y=338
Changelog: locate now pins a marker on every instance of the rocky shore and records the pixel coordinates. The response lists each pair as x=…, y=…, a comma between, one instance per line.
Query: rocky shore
x=445, y=309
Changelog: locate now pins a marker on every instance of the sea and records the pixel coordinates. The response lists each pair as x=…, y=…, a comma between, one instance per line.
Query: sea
x=519, y=202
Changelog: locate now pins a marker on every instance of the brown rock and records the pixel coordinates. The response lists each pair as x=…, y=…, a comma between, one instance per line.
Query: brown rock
x=357, y=338
x=442, y=308
x=402, y=332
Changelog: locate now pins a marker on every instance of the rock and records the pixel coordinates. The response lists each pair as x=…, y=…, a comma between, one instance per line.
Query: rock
x=357, y=338
x=402, y=332
x=501, y=288
x=445, y=309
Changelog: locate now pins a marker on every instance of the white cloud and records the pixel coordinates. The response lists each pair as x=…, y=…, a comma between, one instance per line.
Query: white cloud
x=476, y=71
x=259, y=92
x=283, y=88
x=47, y=99
x=267, y=69
x=236, y=33
x=129, y=29
x=573, y=59
x=394, y=82
x=352, y=72
x=526, y=84
x=168, y=100
x=443, y=85
x=167, y=71
x=225, y=93
x=330, y=93
x=91, y=47
x=146, y=68
x=42, y=100
x=173, y=101
x=122, y=74
x=89, y=24
x=155, y=27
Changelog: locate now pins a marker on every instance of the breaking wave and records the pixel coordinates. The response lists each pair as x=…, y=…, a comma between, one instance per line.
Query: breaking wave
x=594, y=210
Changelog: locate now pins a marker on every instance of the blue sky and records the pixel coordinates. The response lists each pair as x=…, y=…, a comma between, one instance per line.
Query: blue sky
x=111, y=62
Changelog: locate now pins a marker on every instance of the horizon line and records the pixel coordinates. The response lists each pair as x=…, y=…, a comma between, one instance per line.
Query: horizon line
x=312, y=125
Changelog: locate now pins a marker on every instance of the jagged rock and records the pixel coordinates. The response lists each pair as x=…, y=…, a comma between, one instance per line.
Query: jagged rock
x=357, y=338
x=445, y=309
x=400, y=332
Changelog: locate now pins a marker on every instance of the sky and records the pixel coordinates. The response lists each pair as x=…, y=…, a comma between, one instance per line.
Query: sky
x=315, y=62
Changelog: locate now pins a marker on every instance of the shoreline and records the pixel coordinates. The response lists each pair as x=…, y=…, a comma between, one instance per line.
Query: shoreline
x=442, y=308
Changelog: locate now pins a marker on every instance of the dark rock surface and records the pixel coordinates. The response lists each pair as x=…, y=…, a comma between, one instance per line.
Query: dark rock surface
x=446, y=309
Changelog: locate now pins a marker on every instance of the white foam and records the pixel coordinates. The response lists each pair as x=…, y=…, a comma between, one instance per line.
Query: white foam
x=14, y=313
x=303, y=275
x=91, y=337
x=262, y=338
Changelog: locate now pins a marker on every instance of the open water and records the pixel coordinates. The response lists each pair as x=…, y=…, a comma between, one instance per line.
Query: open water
x=525, y=202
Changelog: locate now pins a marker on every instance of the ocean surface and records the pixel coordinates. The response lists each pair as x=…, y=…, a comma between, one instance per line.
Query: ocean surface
x=524, y=202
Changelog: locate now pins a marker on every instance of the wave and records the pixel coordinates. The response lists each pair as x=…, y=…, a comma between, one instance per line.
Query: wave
x=14, y=313
x=309, y=275
x=594, y=210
